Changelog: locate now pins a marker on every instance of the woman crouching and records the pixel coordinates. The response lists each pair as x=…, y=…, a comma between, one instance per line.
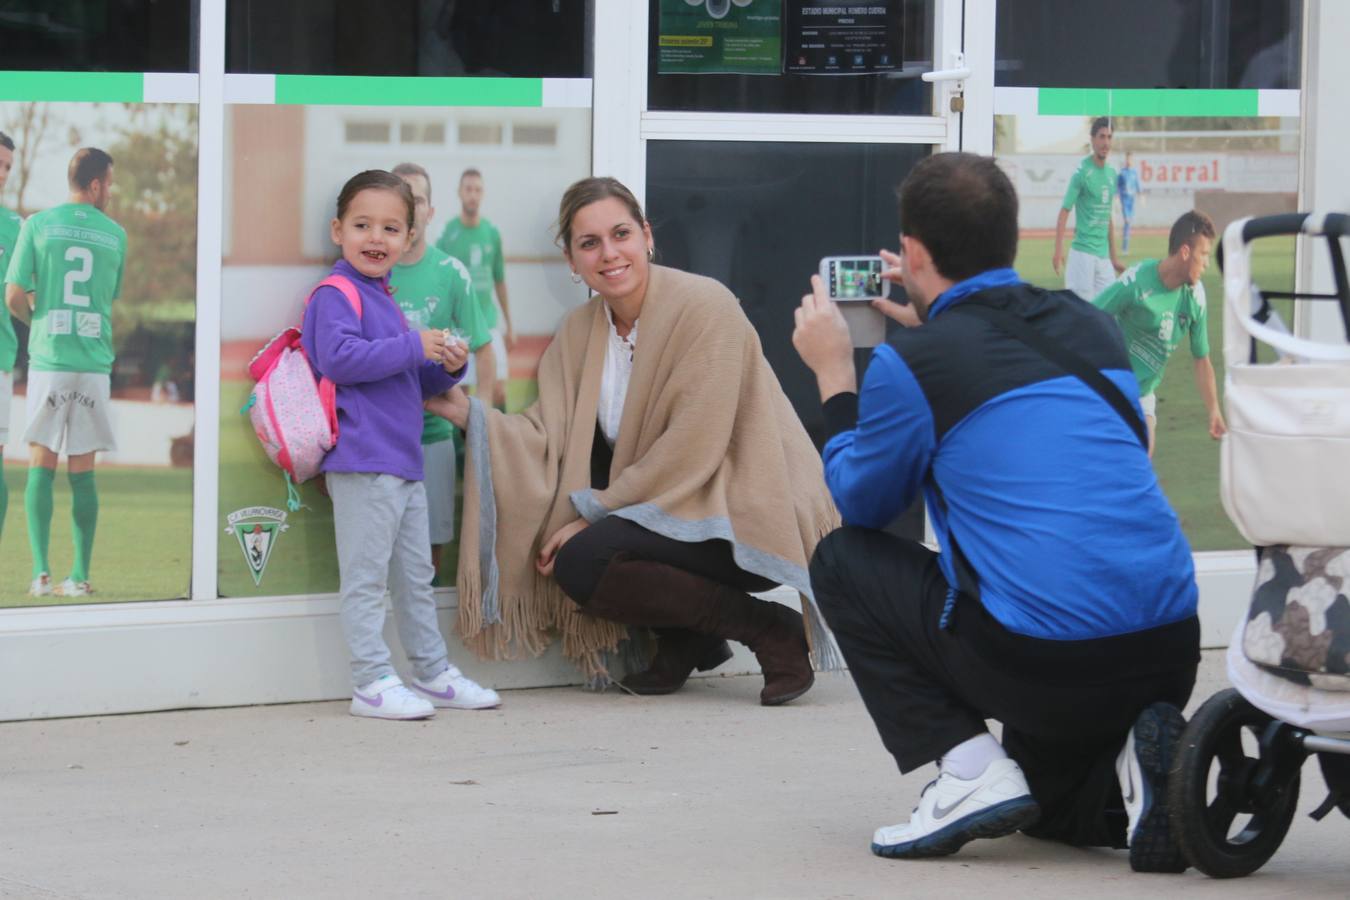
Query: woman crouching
x=661, y=476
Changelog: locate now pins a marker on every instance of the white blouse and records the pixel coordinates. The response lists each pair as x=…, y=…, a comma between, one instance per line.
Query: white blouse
x=614, y=381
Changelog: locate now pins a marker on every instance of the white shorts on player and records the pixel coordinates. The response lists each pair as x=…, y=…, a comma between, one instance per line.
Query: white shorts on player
x=6, y=399
x=438, y=468
x=1087, y=275
x=74, y=406
x=1149, y=404
x=499, y=358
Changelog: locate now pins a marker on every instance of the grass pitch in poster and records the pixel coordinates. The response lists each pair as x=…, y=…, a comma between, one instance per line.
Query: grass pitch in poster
x=720, y=37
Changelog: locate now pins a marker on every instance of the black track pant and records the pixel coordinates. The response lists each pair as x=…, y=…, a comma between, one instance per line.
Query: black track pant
x=1066, y=706
x=583, y=559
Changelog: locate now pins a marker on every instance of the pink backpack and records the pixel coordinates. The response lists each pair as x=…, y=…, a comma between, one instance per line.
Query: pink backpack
x=294, y=417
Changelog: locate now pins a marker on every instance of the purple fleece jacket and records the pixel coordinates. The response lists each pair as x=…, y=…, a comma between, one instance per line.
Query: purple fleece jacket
x=381, y=375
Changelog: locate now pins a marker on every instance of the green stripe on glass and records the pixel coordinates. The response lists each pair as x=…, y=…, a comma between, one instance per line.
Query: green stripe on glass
x=1160, y=102
x=346, y=90
x=73, y=87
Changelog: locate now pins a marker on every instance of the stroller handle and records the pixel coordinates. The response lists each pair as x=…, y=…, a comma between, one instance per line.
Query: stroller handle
x=1332, y=225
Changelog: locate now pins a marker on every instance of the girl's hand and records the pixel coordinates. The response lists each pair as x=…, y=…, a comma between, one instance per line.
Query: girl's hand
x=452, y=406
x=456, y=355
x=549, y=552
x=433, y=343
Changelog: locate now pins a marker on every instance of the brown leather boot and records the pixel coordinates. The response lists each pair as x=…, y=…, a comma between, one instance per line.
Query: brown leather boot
x=642, y=592
x=678, y=654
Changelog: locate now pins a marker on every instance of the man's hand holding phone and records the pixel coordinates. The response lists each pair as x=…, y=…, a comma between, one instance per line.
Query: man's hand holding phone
x=821, y=337
x=894, y=273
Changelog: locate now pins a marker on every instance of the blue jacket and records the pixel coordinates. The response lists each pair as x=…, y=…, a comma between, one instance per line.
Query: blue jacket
x=1046, y=491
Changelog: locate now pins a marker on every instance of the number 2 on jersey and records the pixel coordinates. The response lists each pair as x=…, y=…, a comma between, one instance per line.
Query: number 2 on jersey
x=85, y=258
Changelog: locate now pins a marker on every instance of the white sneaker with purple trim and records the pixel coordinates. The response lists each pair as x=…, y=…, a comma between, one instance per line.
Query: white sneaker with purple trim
x=452, y=690
x=389, y=698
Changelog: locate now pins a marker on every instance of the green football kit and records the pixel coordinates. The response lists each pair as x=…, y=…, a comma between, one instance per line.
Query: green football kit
x=72, y=255
x=479, y=248
x=10, y=223
x=1089, y=195
x=1155, y=320
x=9, y=343
x=437, y=292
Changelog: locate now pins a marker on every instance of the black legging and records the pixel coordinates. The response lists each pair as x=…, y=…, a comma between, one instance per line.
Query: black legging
x=583, y=559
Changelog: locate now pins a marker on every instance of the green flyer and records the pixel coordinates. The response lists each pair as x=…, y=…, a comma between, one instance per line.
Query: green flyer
x=720, y=37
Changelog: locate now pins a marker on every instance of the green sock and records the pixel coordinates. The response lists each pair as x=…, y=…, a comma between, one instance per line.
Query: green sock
x=84, y=517
x=37, y=504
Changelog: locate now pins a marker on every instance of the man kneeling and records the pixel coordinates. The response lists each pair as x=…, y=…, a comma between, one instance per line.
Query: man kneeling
x=1063, y=601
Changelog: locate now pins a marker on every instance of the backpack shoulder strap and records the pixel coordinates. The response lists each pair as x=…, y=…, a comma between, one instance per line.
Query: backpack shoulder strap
x=344, y=284
x=1062, y=356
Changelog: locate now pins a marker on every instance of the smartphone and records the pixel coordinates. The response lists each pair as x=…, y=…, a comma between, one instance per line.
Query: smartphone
x=854, y=282
x=854, y=277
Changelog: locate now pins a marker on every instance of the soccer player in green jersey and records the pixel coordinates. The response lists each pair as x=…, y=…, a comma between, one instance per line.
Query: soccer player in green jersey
x=1158, y=303
x=9, y=342
x=435, y=290
x=1093, y=263
x=65, y=273
x=477, y=243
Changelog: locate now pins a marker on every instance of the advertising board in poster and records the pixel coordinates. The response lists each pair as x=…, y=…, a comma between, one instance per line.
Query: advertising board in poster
x=824, y=38
x=720, y=37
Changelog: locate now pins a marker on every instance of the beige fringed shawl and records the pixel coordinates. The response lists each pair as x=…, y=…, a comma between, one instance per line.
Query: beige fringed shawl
x=708, y=447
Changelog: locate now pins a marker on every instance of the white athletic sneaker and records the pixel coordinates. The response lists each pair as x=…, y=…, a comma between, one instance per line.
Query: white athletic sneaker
x=388, y=698
x=41, y=586
x=954, y=811
x=71, y=588
x=452, y=690
x=1142, y=767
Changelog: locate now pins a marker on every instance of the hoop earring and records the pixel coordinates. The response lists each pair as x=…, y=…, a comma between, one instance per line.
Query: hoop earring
x=651, y=253
x=576, y=279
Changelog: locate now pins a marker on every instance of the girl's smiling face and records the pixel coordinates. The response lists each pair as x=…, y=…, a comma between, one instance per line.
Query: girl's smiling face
x=373, y=232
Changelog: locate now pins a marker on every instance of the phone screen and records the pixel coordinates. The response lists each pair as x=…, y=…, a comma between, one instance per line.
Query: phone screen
x=855, y=279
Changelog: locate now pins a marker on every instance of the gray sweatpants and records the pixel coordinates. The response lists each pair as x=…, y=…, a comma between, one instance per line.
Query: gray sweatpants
x=382, y=540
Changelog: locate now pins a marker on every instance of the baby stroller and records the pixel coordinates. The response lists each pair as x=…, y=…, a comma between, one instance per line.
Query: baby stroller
x=1235, y=783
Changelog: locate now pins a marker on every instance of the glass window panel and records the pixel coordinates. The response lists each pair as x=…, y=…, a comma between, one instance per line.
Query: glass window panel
x=99, y=35
x=480, y=132
x=367, y=132
x=759, y=216
x=422, y=133
x=1227, y=167
x=898, y=93
x=1149, y=44
x=130, y=277
x=534, y=135
x=520, y=38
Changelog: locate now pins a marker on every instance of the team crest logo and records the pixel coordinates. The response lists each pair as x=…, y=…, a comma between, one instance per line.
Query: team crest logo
x=1166, y=327
x=257, y=528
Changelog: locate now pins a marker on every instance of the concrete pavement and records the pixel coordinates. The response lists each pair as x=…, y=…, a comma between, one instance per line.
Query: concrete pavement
x=561, y=793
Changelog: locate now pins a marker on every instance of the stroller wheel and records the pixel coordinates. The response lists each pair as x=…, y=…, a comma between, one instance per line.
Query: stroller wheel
x=1233, y=793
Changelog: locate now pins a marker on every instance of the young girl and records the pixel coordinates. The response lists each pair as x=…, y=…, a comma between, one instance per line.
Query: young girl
x=383, y=372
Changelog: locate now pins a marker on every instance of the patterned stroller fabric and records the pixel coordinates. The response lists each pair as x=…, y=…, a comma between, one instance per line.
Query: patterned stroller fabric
x=1298, y=624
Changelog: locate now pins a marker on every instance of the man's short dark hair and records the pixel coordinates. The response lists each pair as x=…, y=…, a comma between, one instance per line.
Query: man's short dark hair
x=89, y=164
x=470, y=173
x=405, y=169
x=6, y=141
x=963, y=208
x=1099, y=123
x=1188, y=227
